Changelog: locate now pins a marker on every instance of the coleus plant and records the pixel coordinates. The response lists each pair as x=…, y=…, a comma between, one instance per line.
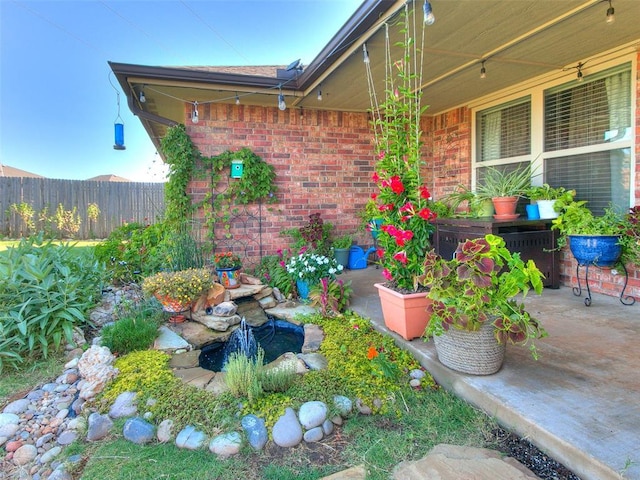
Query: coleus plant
x=477, y=286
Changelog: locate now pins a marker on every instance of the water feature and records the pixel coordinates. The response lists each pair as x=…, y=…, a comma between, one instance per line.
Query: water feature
x=275, y=337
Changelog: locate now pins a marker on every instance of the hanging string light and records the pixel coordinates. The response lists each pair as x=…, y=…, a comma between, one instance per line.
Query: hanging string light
x=281, y=103
x=142, y=98
x=483, y=71
x=237, y=99
x=611, y=14
x=429, y=17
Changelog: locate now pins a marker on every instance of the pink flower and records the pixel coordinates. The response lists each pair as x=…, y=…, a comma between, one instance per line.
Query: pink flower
x=396, y=185
x=387, y=274
x=375, y=177
x=381, y=154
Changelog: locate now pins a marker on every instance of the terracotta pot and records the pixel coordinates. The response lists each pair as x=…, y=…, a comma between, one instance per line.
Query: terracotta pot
x=170, y=305
x=404, y=314
x=505, y=208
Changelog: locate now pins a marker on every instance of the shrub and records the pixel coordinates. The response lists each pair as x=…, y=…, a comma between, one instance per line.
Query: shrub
x=133, y=249
x=46, y=289
x=135, y=330
x=273, y=272
x=243, y=375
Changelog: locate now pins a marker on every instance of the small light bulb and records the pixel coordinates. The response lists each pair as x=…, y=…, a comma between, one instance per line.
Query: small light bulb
x=237, y=99
x=365, y=54
x=580, y=76
x=483, y=71
x=610, y=14
x=319, y=95
x=281, y=104
x=142, y=97
x=429, y=17
x=194, y=115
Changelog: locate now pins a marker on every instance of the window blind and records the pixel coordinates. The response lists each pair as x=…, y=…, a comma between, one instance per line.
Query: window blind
x=504, y=131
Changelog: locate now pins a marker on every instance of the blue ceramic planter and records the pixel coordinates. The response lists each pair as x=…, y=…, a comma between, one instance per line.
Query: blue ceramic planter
x=303, y=289
x=598, y=250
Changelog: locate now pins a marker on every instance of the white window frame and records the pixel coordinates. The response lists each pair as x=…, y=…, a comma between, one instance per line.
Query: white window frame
x=535, y=88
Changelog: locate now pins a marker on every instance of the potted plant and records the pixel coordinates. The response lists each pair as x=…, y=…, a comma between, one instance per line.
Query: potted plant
x=464, y=202
x=593, y=240
x=227, y=265
x=403, y=201
x=545, y=197
x=341, y=247
x=177, y=291
x=473, y=310
x=504, y=188
x=308, y=267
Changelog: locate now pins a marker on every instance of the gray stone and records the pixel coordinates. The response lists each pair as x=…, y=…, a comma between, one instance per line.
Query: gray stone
x=49, y=455
x=9, y=418
x=197, y=377
x=77, y=404
x=9, y=430
x=277, y=294
x=60, y=473
x=362, y=407
x=314, y=361
x=78, y=423
x=124, y=405
x=44, y=439
x=226, y=445
x=312, y=414
x=225, y=309
x=255, y=430
x=288, y=361
x=63, y=413
x=417, y=373
x=327, y=427
x=99, y=426
x=169, y=341
x=67, y=437
x=343, y=404
x=73, y=363
x=217, y=385
x=290, y=313
x=216, y=322
x=165, y=431
x=25, y=454
x=17, y=406
x=35, y=395
x=414, y=383
x=267, y=302
x=139, y=431
x=197, y=334
x=287, y=431
x=190, y=438
x=313, y=435
x=353, y=473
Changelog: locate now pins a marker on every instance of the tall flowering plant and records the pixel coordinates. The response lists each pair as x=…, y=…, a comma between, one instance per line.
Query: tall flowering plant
x=401, y=197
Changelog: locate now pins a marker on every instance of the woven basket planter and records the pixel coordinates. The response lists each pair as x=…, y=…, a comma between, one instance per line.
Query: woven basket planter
x=477, y=353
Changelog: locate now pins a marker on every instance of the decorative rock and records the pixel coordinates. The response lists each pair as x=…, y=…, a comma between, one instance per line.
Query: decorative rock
x=9, y=430
x=9, y=418
x=77, y=404
x=25, y=454
x=67, y=437
x=313, y=435
x=277, y=294
x=67, y=378
x=287, y=431
x=17, y=407
x=124, y=406
x=73, y=363
x=288, y=361
x=169, y=341
x=50, y=455
x=60, y=473
x=190, y=438
x=255, y=430
x=314, y=361
x=267, y=302
x=96, y=370
x=414, y=382
x=77, y=423
x=13, y=445
x=138, y=431
x=185, y=360
x=417, y=373
x=312, y=414
x=165, y=431
x=35, y=395
x=99, y=426
x=44, y=439
x=343, y=404
x=265, y=292
x=362, y=407
x=327, y=427
x=313, y=337
x=249, y=279
x=337, y=420
x=63, y=413
x=225, y=309
x=226, y=445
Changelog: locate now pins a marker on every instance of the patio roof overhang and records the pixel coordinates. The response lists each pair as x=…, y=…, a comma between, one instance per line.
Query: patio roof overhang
x=517, y=40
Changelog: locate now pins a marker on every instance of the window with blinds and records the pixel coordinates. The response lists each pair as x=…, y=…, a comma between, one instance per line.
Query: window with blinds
x=504, y=131
x=596, y=112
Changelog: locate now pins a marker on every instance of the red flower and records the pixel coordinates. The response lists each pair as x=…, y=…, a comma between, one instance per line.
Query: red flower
x=387, y=274
x=427, y=214
x=424, y=193
x=401, y=257
x=396, y=185
x=375, y=177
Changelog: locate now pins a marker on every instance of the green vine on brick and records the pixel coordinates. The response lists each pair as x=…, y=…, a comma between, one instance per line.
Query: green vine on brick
x=256, y=184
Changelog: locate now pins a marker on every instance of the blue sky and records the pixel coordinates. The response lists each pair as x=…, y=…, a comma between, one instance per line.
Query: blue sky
x=57, y=106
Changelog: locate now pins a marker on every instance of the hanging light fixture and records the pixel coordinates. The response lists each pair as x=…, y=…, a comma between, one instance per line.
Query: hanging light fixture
x=281, y=103
x=142, y=98
x=194, y=113
x=483, y=71
x=429, y=17
x=580, y=76
x=237, y=99
x=365, y=53
x=611, y=14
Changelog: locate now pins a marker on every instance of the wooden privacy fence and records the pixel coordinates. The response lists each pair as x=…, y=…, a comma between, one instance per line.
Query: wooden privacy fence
x=118, y=202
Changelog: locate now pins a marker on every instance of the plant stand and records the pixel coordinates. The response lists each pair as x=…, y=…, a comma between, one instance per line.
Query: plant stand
x=577, y=291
